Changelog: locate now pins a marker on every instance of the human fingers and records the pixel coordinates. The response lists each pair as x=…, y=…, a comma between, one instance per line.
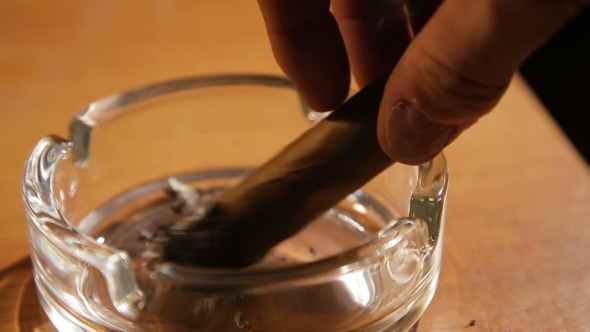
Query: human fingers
x=458, y=68
x=308, y=47
x=375, y=32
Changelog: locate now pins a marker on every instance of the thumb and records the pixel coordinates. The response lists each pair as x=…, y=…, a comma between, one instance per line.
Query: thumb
x=458, y=68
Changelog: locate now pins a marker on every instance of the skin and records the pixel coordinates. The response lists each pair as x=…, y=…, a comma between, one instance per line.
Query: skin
x=452, y=73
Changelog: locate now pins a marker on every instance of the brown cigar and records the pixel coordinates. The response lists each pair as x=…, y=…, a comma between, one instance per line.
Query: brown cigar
x=315, y=172
x=312, y=174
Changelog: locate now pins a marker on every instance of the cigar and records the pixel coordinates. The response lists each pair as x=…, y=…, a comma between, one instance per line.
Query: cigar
x=311, y=175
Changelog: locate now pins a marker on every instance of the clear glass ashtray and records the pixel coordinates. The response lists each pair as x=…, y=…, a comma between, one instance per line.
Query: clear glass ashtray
x=94, y=201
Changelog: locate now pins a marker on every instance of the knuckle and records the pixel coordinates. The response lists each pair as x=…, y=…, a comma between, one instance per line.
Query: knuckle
x=453, y=95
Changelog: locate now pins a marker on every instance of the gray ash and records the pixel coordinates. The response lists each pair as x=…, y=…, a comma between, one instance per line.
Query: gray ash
x=189, y=205
x=146, y=235
x=185, y=198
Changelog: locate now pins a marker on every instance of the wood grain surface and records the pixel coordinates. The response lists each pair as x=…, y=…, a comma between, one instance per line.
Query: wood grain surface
x=516, y=246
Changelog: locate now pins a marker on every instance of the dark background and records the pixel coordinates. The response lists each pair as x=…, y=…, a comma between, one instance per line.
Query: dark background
x=559, y=74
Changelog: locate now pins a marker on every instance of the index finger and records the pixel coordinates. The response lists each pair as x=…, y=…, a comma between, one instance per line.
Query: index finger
x=308, y=47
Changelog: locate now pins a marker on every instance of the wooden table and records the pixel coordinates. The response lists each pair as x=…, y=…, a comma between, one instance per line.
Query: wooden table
x=516, y=252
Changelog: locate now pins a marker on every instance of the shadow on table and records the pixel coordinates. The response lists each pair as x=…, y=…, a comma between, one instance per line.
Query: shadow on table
x=19, y=306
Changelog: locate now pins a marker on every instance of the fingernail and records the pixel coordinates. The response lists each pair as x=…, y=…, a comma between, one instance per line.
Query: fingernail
x=413, y=138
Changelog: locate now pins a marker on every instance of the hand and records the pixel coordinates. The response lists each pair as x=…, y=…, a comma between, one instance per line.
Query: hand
x=454, y=71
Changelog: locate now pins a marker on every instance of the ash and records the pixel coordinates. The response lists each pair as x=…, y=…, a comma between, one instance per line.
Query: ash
x=188, y=204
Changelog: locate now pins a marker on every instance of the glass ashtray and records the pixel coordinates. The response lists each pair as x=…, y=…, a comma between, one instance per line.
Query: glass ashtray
x=94, y=200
